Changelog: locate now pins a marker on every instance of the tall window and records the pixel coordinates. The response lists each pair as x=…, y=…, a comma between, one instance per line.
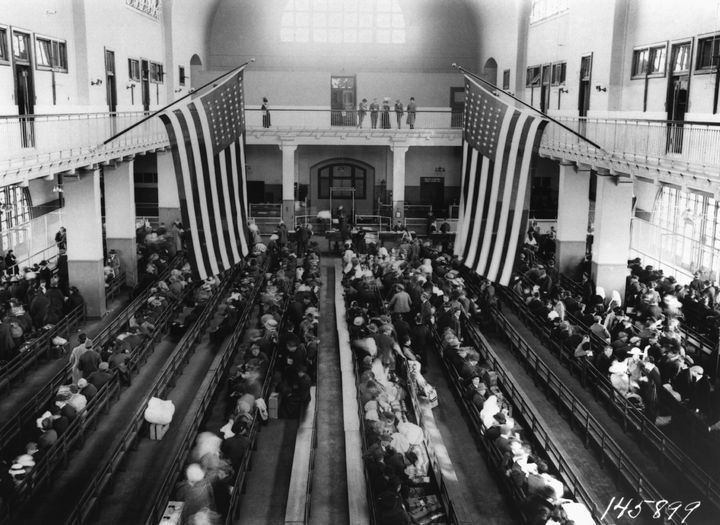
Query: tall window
x=558, y=73
x=181, y=75
x=134, y=69
x=680, y=60
x=532, y=77
x=343, y=21
x=707, y=53
x=506, y=79
x=156, y=73
x=14, y=207
x=51, y=54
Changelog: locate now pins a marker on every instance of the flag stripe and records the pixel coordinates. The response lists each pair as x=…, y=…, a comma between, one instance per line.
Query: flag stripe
x=472, y=186
x=467, y=154
x=202, y=173
x=511, y=175
x=235, y=155
x=506, y=146
x=189, y=177
x=212, y=181
x=520, y=217
x=182, y=195
x=478, y=171
x=229, y=193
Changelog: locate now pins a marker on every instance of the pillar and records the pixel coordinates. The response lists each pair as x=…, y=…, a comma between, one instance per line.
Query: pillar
x=573, y=209
x=83, y=220
x=398, y=183
x=120, y=217
x=168, y=199
x=611, y=244
x=288, y=184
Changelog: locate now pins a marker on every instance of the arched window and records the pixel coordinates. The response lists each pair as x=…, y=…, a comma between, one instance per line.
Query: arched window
x=343, y=22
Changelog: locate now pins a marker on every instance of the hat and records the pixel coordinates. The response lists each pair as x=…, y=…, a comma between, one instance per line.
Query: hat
x=500, y=418
x=271, y=323
x=358, y=321
x=82, y=383
x=553, y=315
x=194, y=473
x=697, y=370
x=635, y=351
x=103, y=366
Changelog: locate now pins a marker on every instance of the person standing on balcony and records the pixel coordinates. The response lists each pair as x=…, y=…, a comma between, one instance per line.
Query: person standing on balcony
x=362, y=110
x=374, y=108
x=399, y=112
x=385, y=119
x=411, y=109
x=265, y=108
x=61, y=238
x=11, y=263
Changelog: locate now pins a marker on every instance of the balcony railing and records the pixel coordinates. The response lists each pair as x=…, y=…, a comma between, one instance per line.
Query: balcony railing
x=682, y=144
x=45, y=139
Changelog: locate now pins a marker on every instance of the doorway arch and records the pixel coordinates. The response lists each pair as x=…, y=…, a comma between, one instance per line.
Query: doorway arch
x=342, y=172
x=490, y=71
x=195, y=68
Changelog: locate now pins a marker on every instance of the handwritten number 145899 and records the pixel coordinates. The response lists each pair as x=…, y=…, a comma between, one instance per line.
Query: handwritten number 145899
x=632, y=508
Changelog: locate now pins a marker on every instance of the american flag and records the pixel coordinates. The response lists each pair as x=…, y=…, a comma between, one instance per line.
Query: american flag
x=207, y=136
x=499, y=145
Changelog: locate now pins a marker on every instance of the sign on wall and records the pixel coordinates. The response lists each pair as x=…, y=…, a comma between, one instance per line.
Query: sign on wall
x=149, y=7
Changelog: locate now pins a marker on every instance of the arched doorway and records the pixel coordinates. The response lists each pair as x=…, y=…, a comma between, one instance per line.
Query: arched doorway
x=195, y=68
x=343, y=182
x=490, y=71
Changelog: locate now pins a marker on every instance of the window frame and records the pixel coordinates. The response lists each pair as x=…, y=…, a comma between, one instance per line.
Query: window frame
x=181, y=75
x=697, y=68
x=506, y=79
x=536, y=75
x=57, y=55
x=562, y=65
x=156, y=72
x=353, y=177
x=676, y=43
x=651, y=50
x=135, y=78
x=5, y=45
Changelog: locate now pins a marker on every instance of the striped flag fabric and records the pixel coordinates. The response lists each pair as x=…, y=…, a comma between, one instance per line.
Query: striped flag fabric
x=207, y=137
x=499, y=145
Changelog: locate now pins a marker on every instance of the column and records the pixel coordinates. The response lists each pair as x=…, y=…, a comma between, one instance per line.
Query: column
x=120, y=217
x=83, y=220
x=611, y=245
x=398, y=183
x=288, y=184
x=168, y=199
x=573, y=208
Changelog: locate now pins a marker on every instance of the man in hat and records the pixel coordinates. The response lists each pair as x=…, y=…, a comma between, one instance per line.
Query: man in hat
x=101, y=376
x=374, y=108
x=400, y=303
x=399, y=112
x=385, y=116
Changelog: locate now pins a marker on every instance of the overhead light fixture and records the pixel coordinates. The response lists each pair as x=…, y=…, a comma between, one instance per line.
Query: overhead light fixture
x=57, y=188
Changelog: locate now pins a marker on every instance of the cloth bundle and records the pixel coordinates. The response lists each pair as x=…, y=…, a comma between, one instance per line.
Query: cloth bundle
x=159, y=411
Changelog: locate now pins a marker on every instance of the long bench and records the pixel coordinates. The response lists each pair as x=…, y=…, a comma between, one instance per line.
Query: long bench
x=630, y=415
x=297, y=509
x=24, y=418
x=58, y=453
x=164, y=380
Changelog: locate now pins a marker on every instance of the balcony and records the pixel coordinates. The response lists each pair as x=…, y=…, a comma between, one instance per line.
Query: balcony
x=43, y=144
x=635, y=146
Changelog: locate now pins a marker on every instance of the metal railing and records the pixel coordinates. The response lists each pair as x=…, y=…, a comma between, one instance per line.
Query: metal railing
x=693, y=145
x=47, y=138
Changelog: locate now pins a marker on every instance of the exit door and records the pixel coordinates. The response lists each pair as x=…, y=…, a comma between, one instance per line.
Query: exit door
x=677, y=103
x=432, y=191
x=145, y=84
x=342, y=101
x=584, y=92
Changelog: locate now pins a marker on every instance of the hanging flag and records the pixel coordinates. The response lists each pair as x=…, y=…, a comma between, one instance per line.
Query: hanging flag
x=499, y=145
x=207, y=136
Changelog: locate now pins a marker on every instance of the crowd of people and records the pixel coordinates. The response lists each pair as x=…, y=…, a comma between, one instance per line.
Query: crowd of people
x=643, y=349
x=426, y=292
x=384, y=110
x=286, y=329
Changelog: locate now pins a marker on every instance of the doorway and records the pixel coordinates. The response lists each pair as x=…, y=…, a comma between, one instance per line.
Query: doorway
x=546, y=78
x=111, y=88
x=145, y=84
x=584, y=92
x=432, y=191
x=677, y=103
x=24, y=87
x=342, y=101
x=457, y=106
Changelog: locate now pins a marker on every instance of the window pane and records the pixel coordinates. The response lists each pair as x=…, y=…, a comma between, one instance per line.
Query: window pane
x=43, y=52
x=62, y=56
x=335, y=36
x=365, y=21
x=20, y=46
x=365, y=36
x=657, y=60
x=382, y=36
x=681, y=58
x=383, y=20
x=320, y=35
x=398, y=37
x=3, y=44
